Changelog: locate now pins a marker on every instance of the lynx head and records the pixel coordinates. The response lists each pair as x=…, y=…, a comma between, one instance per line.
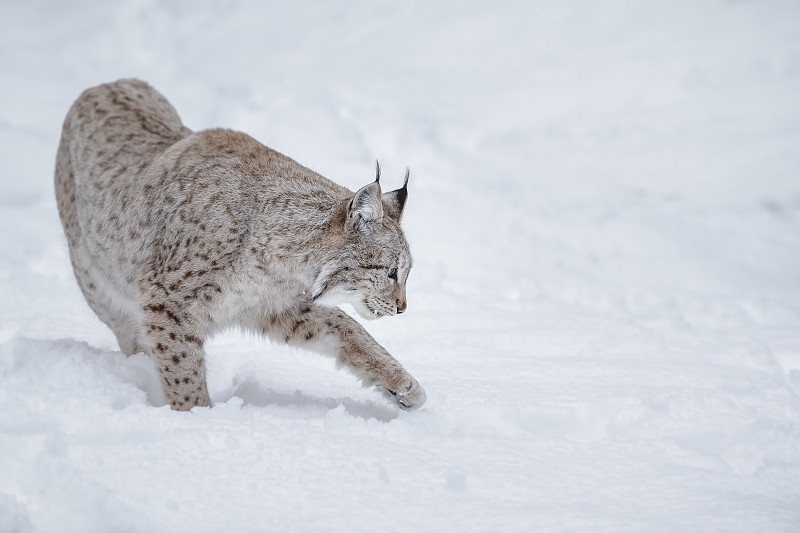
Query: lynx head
x=372, y=266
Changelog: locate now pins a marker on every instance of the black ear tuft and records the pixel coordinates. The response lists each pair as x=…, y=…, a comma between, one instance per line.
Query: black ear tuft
x=402, y=192
x=395, y=201
x=377, y=172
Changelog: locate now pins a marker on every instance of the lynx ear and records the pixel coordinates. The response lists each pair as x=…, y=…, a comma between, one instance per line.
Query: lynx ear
x=396, y=200
x=365, y=207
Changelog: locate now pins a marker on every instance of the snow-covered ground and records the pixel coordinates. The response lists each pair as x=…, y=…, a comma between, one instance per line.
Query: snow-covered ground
x=605, y=306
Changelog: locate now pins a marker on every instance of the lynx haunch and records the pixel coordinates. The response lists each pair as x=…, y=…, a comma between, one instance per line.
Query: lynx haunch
x=175, y=235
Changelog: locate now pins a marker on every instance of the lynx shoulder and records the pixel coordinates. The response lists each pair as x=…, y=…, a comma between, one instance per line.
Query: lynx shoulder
x=174, y=235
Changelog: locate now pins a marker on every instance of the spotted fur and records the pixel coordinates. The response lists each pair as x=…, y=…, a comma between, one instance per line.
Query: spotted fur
x=175, y=235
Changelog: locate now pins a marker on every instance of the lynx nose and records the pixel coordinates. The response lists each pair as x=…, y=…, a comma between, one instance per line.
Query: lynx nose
x=401, y=305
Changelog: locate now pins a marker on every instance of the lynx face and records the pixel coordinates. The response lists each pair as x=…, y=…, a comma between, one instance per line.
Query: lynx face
x=373, y=278
x=377, y=286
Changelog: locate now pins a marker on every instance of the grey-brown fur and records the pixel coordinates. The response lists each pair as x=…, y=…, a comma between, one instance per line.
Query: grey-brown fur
x=175, y=235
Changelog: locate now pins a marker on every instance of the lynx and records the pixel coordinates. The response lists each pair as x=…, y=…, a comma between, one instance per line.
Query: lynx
x=175, y=235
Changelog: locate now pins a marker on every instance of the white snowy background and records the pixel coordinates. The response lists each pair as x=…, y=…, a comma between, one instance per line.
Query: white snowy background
x=604, y=212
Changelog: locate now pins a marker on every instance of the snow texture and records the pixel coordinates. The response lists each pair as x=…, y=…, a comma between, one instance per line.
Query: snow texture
x=605, y=306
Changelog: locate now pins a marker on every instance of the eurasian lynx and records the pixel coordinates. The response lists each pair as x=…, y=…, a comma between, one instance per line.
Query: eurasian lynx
x=175, y=235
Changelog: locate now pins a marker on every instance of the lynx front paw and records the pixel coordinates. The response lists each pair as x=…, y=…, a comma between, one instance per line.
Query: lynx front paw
x=412, y=396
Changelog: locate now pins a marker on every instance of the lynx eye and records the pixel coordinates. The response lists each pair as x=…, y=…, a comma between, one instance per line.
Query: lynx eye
x=393, y=273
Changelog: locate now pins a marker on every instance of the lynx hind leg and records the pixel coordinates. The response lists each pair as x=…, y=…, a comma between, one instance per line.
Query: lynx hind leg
x=108, y=309
x=179, y=357
x=88, y=277
x=127, y=335
x=101, y=298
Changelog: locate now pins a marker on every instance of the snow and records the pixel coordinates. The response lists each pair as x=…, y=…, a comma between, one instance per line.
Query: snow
x=604, y=310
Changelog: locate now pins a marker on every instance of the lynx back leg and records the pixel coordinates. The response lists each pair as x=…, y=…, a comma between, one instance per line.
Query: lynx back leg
x=106, y=303
x=127, y=335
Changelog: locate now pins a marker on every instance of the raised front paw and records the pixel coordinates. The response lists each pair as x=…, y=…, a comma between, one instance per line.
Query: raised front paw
x=408, y=396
